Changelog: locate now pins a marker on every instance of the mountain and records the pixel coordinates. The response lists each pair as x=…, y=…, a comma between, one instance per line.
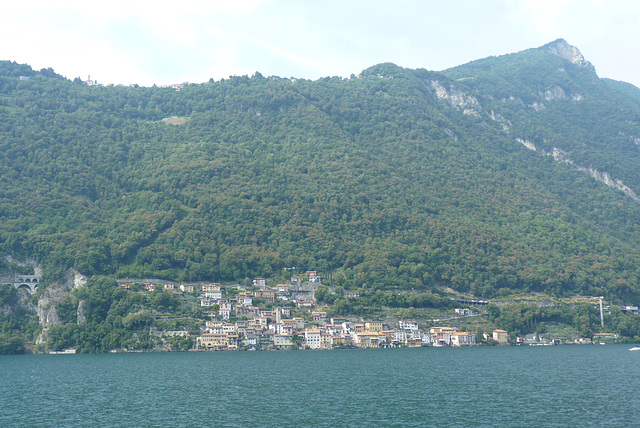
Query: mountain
x=510, y=173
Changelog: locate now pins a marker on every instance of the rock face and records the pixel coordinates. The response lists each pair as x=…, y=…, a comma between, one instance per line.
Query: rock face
x=564, y=50
x=83, y=308
x=79, y=280
x=456, y=98
x=58, y=292
x=561, y=156
x=47, y=313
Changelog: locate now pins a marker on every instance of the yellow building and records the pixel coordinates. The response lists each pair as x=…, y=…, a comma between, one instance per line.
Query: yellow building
x=187, y=288
x=366, y=339
x=213, y=341
x=500, y=336
x=373, y=326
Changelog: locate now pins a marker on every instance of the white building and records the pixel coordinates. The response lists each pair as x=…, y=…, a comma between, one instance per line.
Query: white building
x=282, y=340
x=408, y=325
x=313, y=338
x=462, y=339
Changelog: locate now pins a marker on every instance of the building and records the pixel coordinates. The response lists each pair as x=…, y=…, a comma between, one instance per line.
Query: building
x=265, y=339
x=266, y=294
x=373, y=326
x=313, y=276
x=213, y=295
x=213, y=341
x=232, y=340
x=284, y=311
x=319, y=316
x=282, y=328
x=211, y=287
x=224, y=304
x=261, y=322
x=282, y=288
x=245, y=299
x=463, y=339
x=296, y=323
x=187, y=288
x=212, y=324
x=605, y=336
x=428, y=339
x=224, y=313
x=338, y=320
x=241, y=327
x=399, y=337
x=414, y=342
x=283, y=341
x=250, y=341
x=408, y=325
x=247, y=311
x=313, y=338
x=347, y=328
x=268, y=314
x=500, y=336
x=442, y=335
x=366, y=339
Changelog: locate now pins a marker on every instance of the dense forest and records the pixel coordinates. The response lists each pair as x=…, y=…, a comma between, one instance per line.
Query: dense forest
x=396, y=179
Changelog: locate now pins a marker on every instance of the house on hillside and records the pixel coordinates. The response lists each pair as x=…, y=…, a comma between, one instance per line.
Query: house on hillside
x=408, y=325
x=224, y=313
x=373, y=326
x=351, y=294
x=319, y=316
x=187, y=288
x=266, y=294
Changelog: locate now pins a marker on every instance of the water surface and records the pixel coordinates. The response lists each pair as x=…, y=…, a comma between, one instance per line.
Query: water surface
x=441, y=387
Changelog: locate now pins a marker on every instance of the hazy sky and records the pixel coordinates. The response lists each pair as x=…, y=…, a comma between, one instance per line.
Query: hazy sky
x=163, y=42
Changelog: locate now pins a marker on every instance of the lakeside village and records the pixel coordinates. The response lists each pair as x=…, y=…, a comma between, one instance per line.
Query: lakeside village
x=239, y=319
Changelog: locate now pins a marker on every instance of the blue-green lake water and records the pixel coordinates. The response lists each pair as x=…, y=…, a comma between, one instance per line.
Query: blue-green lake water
x=483, y=386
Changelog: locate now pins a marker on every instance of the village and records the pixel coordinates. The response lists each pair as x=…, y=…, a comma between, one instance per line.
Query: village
x=235, y=318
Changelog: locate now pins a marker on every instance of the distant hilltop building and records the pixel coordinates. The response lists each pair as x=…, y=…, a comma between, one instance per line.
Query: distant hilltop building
x=90, y=82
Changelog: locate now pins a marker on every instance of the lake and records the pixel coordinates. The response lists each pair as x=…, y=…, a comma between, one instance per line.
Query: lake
x=441, y=387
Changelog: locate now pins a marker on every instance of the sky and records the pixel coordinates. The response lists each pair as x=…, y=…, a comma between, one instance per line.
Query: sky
x=165, y=42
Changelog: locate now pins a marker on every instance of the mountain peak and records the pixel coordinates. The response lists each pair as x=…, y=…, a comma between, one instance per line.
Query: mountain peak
x=564, y=50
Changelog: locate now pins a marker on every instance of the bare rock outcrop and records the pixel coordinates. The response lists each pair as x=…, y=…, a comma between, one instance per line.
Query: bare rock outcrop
x=83, y=309
x=564, y=50
x=55, y=293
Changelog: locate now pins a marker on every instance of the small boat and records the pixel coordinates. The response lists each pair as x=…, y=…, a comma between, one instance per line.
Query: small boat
x=635, y=348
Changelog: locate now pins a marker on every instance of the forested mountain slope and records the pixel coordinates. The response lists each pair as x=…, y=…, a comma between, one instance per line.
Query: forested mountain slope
x=395, y=178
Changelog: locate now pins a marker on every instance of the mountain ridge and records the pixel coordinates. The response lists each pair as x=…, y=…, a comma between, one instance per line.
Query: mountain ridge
x=395, y=178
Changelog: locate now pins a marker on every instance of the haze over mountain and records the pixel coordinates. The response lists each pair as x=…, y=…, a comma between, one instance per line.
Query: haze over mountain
x=516, y=172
